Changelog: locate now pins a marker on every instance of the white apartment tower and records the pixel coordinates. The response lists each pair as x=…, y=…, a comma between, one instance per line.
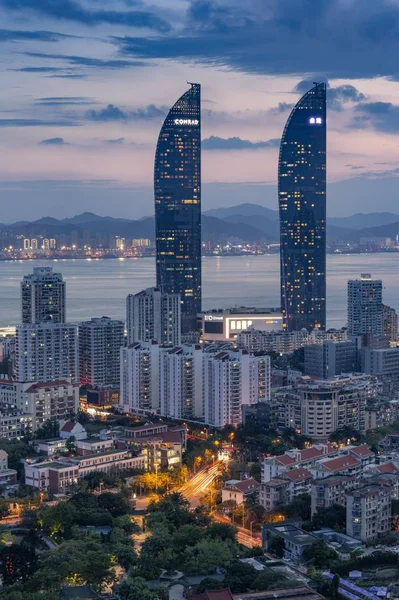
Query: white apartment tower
x=139, y=377
x=231, y=380
x=43, y=297
x=153, y=315
x=47, y=352
x=365, y=309
x=100, y=340
x=181, y=394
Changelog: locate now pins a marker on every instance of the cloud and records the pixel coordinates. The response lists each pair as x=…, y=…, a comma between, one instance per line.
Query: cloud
x=36, y=123
x=300, y=36
x=337, y=96
x=118, y=141
x=111, y=113
x=281, y=107
x=355, y=167
x=85, y=61
x=56, y=141
x=10, y=35
x=71, y=10
x=236, y=143
x=382, y=116
x=64, y=101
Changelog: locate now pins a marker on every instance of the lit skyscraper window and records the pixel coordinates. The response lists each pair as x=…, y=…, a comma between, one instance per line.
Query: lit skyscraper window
x=177, y=189
x=302, y=207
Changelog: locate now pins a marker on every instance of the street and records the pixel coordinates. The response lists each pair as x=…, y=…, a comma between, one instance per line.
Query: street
x=197, y=486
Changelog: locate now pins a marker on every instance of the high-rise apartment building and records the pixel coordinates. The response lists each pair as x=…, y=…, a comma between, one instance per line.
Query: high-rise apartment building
x=186, y=382
x=231, y=380
x=47, y=352
x=100, y=341
x=43, y=297
x=390, y=323
x=330, y=358
x=177, y=190
x=369, y=512
x=302, y=208
x=153, y=315
x=365, y=308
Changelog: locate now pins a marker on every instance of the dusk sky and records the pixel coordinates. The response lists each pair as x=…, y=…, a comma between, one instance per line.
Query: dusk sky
x=86, y=85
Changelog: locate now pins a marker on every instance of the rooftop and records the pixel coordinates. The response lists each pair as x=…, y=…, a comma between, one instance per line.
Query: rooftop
x=388, y=467
x=362, y=450
x=338, y=464
x=296, y=475
x=245, y=486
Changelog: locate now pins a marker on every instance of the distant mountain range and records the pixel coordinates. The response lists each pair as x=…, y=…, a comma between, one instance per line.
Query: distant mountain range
x=247, y=222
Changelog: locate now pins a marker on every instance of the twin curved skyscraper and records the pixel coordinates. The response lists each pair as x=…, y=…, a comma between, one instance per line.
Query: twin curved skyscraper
x=302, y=208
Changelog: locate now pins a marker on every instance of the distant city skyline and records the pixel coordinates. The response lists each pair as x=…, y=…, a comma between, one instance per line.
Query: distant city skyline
x=86, y=88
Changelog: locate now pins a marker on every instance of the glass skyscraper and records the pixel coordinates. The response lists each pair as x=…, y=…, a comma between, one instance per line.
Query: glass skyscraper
x=302, y=207
x=177, y=189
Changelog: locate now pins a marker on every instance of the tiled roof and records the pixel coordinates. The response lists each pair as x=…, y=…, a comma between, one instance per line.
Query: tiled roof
x=310, y=453
x=286, y=460
x=214, y=595
x=338, y=464
x=362, y=450
x=388, y=467
x=49, y=384
x=297, y=475
x=244, y=486
x=68, y=426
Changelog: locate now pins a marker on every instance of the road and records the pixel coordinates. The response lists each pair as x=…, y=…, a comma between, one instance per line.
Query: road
x=244, y=536
x=197, y=486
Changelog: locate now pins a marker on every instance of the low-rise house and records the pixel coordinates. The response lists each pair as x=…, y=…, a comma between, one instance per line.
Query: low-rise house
x=7, y=476
x=72, y=429
x=362, y=453
x=274, y=493
x=15, y=424
x=50, y=448
x=59, y=476
x=93, y=446
x=300, y=481
x=239, y=491
x=296, y=540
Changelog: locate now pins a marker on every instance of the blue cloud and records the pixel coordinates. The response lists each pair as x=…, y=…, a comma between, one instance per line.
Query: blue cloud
x=299, y=36
x=64, y=101
x=110, y=113
x=10, y=35
x=56, y=141
x=382, y=116
x=236, y=143
x=85, y=61
x=36, y=123
x=118, y=141
x=71, y=10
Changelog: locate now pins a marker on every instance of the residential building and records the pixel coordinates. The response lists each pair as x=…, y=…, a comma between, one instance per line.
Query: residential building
x=365, y=312
x=331, y=490
x=300, y=480
x=73, y=429
x=181, y=383
x=330, y=359
x=285, y=342
x=7, y=476
x=231, y=380
x=43, y=297
x=47, y=352
x=100, y=340
x=15, y=424
x=153, y=315
x=262, y=414
x=55, y=401
x=104, y=396
x=60, y=476
x=302, y=207
x=90, y=446
x=390, y=323
x=369, y=512
x=238, y=491
x=177, y=190
x=343, y=465
x=384, y=361
x=296, y=540
x=274, y=492
x=139, y=377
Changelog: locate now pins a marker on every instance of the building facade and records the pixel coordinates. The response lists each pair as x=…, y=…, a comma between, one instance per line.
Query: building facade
x=177, y=190
x=139, y=377
x=330, y=359
x=43, y=297
x=153, y=315
x=47, y=352
x=181, y=394
x=227, y=324
x=365, y=308
x=390, y=323
x=302, y=208
x=369, y=512
x=100, y=341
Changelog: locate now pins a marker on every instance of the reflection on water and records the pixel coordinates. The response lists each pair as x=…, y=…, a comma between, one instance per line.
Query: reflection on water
x=96, y=288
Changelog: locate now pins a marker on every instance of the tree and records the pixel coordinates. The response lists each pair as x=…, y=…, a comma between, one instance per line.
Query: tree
x=18, y=562
x=320, y=554
x=49, y=429
x=239, y=577
x=207, y=555
x=333, y=517
x=222, y=531
x=343, y=434
x=299, y=507
x=70, y=444
x=136, y=589
x=277, y=546
x=264, y=580
x=209, y=584
x=113, y=503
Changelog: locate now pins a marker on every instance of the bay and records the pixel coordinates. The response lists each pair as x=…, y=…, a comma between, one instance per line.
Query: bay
x=100, y=287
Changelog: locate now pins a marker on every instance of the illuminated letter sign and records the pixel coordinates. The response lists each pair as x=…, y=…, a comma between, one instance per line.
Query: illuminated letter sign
x=186, y=122
x=213, y=318
x=315, y=120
